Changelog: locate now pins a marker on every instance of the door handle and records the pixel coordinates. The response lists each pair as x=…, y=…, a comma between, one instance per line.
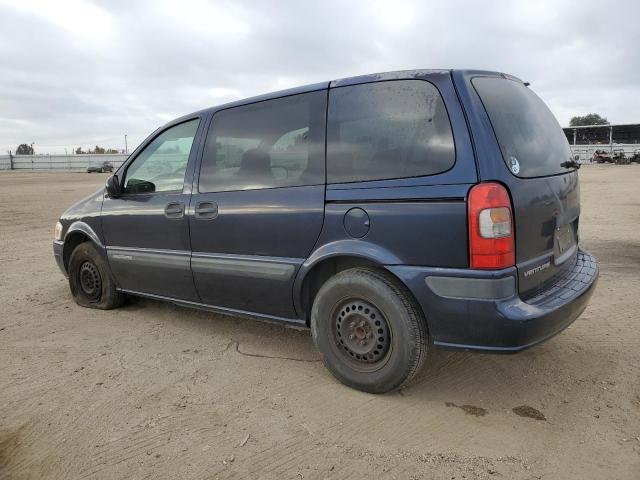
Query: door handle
x=174, y=210
x=206, y=210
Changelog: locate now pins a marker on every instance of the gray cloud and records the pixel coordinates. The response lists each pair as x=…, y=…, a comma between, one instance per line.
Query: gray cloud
x=76, y=73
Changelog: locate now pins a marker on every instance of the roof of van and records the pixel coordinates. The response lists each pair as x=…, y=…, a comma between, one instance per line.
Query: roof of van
x=372, y=77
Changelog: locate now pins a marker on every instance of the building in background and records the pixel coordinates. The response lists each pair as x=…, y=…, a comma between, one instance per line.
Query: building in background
x=585, y=140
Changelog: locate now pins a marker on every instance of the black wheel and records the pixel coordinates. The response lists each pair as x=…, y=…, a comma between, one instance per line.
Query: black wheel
x=89, y=279
x=371, y=334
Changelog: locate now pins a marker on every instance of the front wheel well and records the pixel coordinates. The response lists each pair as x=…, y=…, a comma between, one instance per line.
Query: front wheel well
x=322, y=271
x=70, y=244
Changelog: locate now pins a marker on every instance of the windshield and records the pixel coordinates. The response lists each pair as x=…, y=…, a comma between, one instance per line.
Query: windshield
x=532, y=142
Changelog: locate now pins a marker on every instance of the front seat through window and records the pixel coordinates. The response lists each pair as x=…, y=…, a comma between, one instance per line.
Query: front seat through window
x=255, y=166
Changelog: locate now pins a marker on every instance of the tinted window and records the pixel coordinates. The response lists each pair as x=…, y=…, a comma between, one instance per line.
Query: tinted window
x=387, y=130
x=275, y=143
x=531, y=140
x=161, y=166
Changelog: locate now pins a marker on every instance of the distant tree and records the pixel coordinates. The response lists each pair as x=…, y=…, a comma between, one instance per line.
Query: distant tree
x=98, y=150
x=24, y=149
x=589, y=119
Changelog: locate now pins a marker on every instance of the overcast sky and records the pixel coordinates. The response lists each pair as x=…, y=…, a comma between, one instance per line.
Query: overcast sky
x=80, y=73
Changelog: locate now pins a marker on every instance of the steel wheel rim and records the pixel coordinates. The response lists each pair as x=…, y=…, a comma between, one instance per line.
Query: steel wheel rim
x=90, y=281
x=360, y=334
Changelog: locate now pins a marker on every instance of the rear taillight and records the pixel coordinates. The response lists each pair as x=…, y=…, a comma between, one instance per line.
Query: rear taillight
x=491, y=242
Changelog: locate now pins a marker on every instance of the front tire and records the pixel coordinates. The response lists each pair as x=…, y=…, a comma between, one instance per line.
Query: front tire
x=89, y=279
x=369, y=330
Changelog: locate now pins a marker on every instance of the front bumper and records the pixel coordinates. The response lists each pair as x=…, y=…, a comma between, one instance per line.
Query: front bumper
x=58, y=254
x=488, y=315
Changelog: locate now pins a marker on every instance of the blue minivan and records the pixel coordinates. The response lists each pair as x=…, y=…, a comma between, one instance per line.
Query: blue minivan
x=388, y=213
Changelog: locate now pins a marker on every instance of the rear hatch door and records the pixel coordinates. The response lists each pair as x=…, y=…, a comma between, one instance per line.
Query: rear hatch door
x=543, y=182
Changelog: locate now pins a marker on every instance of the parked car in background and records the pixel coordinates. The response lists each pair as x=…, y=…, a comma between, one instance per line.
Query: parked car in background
x=102, y=168
x=389, y=214
x=601, y=156
x=618, y=157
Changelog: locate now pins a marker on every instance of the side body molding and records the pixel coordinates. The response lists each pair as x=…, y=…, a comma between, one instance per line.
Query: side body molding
x=340, y=248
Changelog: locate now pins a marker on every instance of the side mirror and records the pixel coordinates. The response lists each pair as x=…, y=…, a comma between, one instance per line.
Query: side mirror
x=113, y=186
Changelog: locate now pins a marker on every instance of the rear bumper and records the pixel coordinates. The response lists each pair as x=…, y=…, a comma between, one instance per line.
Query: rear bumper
x=58, y=248
x=488, y=315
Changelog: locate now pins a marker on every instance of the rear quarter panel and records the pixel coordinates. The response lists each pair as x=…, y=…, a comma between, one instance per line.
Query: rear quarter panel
x=416, y=228
x=418, y=220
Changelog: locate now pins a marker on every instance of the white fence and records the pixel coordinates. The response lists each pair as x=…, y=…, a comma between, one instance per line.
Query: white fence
x=585, y=152
x=77, y=163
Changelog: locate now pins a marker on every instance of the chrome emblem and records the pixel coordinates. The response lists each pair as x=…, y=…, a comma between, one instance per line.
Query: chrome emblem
x=537, y=269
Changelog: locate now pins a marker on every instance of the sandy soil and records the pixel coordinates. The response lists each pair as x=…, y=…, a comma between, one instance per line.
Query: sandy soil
x=157, y=391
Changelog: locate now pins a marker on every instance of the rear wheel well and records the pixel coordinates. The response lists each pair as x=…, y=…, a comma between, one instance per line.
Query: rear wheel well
x=325, y=269
x=70, y=245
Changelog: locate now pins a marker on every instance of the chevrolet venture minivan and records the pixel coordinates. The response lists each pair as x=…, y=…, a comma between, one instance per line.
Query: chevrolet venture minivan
x=389, y=213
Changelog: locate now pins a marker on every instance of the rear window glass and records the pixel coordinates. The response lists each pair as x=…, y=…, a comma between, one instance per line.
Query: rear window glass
x=531, y=140
x=387, y=130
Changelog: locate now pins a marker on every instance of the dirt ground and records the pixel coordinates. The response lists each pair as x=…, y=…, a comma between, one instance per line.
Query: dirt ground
x=157, y=391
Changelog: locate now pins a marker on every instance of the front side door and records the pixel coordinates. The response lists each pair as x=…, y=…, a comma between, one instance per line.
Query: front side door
x=146, y=228
x=258, y=203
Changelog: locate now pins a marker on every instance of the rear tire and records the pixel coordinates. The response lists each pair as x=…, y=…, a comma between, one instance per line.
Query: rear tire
x=89, y=279
x=369, y=330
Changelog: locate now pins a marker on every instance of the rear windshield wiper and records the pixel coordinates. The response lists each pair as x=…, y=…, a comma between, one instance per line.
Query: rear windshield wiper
x=570, y=164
